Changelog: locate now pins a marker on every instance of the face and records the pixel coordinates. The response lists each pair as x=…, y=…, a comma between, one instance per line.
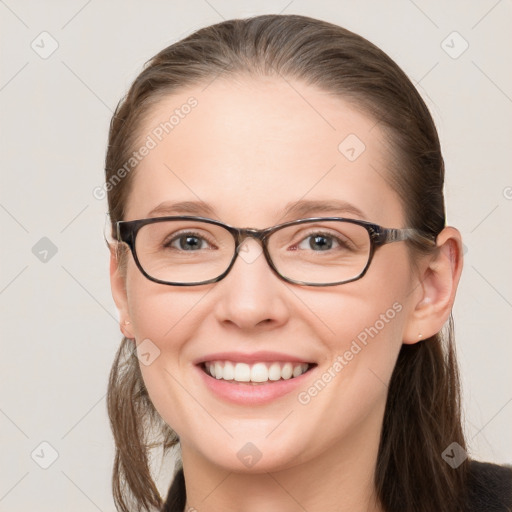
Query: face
x=249, y=149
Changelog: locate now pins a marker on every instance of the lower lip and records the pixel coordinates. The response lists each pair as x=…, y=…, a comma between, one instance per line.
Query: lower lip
x=249, y=394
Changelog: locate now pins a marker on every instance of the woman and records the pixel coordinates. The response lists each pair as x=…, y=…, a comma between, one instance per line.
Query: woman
x=285, y=280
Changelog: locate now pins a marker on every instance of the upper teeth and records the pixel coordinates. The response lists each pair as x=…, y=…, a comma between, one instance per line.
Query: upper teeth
x=257, y=372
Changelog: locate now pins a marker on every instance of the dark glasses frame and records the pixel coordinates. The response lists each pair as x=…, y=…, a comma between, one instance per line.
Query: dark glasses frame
x=126, y=231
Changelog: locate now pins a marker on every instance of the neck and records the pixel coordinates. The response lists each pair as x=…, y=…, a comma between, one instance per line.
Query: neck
x=341, y=479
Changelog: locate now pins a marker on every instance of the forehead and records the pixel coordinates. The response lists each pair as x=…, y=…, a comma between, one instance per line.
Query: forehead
x=251, y=146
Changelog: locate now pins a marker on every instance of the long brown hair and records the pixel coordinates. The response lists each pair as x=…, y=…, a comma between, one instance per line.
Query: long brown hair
x=422, y=415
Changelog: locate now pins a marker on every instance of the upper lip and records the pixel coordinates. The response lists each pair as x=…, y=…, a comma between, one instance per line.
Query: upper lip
x=253, y=357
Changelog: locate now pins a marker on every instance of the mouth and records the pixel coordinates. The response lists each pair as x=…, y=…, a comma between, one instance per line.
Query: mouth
x=257, y=373
x=253, y=379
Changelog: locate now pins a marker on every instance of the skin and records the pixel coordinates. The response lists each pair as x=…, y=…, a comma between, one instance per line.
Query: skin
x=248, y=148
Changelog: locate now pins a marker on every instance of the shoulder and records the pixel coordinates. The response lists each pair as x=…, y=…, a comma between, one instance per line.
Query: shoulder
x=489, y=487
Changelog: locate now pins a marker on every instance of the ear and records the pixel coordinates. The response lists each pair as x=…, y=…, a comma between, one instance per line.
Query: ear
x=435, y=292
x=118, y=287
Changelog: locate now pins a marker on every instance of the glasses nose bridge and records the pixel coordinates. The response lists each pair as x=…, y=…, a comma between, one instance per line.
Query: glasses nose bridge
x=243, y=233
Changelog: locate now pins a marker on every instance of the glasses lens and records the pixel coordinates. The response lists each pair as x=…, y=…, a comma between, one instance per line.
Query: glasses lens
x=184, y=251
x=320, y=252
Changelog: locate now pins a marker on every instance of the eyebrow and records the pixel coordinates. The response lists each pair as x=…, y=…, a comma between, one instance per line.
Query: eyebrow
x=182, y=208
x=306, y=207
x=298, y=209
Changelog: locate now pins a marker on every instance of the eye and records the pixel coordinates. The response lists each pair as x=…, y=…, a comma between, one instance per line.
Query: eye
x=187, y=241
x=319, y=242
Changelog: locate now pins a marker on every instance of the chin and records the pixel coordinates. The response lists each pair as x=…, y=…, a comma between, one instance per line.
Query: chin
x=252, y=457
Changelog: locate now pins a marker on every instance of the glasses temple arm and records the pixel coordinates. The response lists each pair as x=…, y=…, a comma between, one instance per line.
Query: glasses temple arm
x=401, y=235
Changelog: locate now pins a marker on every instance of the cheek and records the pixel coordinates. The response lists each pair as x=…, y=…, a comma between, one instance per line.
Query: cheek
x=161, y=318
x=159, y=312
x=352, y=381
x=362, y=311
x=361, y=327
x=164, y=322
x=364, y=341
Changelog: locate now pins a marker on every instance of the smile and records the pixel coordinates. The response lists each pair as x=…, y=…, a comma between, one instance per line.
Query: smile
x=256, y=373
x=258, y=378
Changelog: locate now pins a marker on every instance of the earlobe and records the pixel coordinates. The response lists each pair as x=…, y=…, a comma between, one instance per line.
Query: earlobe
x=436, y=288
x=118, y=287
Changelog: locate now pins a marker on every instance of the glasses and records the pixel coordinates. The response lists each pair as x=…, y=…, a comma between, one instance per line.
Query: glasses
x=319, y=251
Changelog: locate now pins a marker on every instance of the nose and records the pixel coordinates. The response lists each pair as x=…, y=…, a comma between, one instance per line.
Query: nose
x=251, y=295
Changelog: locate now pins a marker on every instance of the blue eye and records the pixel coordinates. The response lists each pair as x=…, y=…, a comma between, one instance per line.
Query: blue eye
x=323, y=242
x=188, y=241
x=318, y=242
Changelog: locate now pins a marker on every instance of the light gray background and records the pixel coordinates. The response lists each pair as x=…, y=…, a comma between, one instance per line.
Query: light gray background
x=59, y=327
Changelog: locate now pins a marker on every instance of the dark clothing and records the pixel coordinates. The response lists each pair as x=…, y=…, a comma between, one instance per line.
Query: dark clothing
x=176, y=496
x=489, y=489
